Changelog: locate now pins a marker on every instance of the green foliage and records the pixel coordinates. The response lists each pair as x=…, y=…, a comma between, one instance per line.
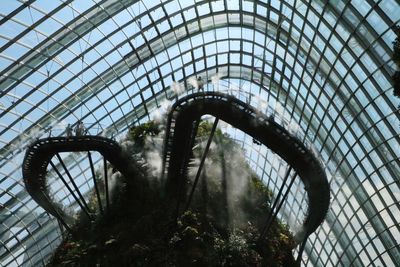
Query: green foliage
x=140, y=229
x=204, y=131
x=396, y=83
x=138, y=133
x=197, y=242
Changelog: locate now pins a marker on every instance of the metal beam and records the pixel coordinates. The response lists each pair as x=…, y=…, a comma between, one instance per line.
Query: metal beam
x=70, y=190
x=73, y=182
x=272, y=214
x=203, y=158
x=96, y=187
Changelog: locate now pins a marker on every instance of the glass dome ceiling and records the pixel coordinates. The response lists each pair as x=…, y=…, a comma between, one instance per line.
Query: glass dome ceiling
x=323, y=66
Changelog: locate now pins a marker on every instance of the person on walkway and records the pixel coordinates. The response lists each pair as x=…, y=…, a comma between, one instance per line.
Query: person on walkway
x=200, y=83
x=68, y=130
x=79, y=129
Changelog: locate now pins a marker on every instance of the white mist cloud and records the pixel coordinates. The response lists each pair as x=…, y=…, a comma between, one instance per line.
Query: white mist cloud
x=157, y=116
x=115, y=183
x=224, y=161
x=215, y=79
x=60, y=125
x=177, y=88
x=193, y=82
x=127, y=146
x=279, y=110
x=294, y=128
x=153, y=153
x=262, y=104
x=165, y=106
x=317, y=155
x=105, y=132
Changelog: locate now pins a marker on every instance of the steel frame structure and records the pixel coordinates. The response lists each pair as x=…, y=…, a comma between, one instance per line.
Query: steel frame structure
x=112, y=63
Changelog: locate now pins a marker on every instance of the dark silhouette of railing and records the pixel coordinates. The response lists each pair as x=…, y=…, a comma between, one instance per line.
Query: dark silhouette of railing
x=39, y=155
x=180, y=132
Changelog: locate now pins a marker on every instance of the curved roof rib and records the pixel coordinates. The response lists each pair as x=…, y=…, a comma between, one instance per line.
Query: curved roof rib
x=324, y=66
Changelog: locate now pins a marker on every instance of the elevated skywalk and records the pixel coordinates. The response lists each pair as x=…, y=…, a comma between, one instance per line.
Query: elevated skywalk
x=181, y=130
x=39, y=155
x=181, y=127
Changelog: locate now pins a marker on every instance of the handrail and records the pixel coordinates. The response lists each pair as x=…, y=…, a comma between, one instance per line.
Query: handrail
x=190, y=108
x=38, y=157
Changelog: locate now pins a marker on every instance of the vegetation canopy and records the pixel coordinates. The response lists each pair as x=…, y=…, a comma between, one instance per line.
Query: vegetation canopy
x=221, y=227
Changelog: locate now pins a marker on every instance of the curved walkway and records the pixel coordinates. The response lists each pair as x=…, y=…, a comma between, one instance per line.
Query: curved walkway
x=39, y=154
x=181, y=129
x=182, y=124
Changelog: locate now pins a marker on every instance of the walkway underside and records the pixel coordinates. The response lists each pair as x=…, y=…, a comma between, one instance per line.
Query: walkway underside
x=182, y=123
